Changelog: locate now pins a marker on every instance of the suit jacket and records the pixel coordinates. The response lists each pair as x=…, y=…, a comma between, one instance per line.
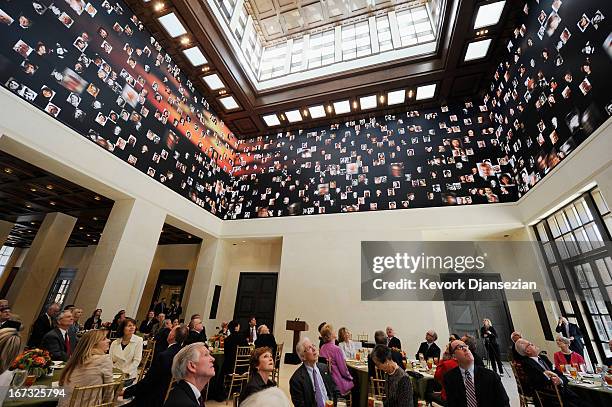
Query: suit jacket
x=302, y=389
x=182, y=396
x=231, y=344
x=576, y=345
x=432, y=352
x=266, y=340
x=395, y=343
x=194, y=337
x=160, y=308
x=151, y=390
x=41, y=326
x=55, y=343
x=534, y=373
x=488, y=386
x=146, y=326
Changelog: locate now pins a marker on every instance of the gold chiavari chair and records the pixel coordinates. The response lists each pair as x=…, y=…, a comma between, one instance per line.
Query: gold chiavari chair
x=145, y=363
x=549, y=396
x=277, y=362
x=524, y=398
x=102, y=395
x=377, y=384
x=241, y=372
x=170, y=387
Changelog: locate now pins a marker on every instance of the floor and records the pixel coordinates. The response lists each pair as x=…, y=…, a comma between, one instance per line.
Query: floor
x=287, y=371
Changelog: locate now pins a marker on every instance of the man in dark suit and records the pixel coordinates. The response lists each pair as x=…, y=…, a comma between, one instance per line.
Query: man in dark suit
x=60, y=342
x=311, y=384
x=147, y=325
x=393, y=341
x=381, y=339
x=42, y=325
x=515, y=336
x=265, y=338
x=160, y=307
x=540, y=373
x=151, y=390
x=6, y=318
x=192, y=367
x=573, y=333
x=470, y=385
x=429, y=349
x=197, y=332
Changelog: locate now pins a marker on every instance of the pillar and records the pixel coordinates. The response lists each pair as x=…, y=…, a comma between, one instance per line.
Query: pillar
x=5, y=231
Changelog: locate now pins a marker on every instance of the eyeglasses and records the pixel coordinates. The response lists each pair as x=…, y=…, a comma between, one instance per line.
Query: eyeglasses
x=459, y=347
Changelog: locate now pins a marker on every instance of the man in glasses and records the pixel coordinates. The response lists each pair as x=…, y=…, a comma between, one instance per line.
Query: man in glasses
x=468, y=385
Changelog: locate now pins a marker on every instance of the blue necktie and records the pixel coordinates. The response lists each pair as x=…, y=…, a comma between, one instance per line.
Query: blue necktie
x=317, y=388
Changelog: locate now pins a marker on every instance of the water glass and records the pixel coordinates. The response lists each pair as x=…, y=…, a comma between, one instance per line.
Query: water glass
x=19, y=377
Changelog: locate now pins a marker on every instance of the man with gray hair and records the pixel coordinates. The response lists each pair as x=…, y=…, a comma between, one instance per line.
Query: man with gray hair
x=60, y=342
x=311, y=385
x=192, y=368
x=429, y=349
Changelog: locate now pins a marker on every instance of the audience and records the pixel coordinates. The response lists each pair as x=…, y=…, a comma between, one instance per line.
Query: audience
x=573, y=333
x=76, y=326
x=59, y=341
x=470, y=341
x=159, y=323
x=429, y=349
x=197, y=332
x=265, y=339
x=272, y=396
x=175, y=310
x=192, y=367
x=381, y=339
x=231, y=344
x=88, y=366
x=321, y=325
x=126, y=351
x=311, y=384
x=471, y=385
x=94, y=321
x=146, y=326
x=160, y=307
x=152, y=389
x=252, y=334
x=42, y=325
x=392, y=340
x=398, y=387
x=224, y=332
x=566, y=356
x=262, y=366
x=10, y=343
x=445, y=365
x=117, y=320
x=349, y=348
x=161, y=337
x=515, y=336
x=332, y=352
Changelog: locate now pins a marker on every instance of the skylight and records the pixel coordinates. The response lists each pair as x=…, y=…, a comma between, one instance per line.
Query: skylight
x=195, y=56
x=426, y=92
x=213, y=81
x=316, y=112
x=367, y=102
x=172, y=25
x=271, y=120
x=293, y=116
x=396, y=97
x=477, y=50
x=229, y=103
x=342, y=107
x=489, y=14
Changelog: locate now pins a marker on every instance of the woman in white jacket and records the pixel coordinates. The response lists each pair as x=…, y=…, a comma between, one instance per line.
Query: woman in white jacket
x=126, y=351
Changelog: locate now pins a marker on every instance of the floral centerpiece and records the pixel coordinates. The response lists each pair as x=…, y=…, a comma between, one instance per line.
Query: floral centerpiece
x=35, y=361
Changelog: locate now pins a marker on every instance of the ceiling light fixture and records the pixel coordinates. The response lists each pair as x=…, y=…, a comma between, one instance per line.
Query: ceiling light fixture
x=195, y=56
x=172, y=25
x=396, y=97
x=271, y=120
x=33, y=189
x=185, y=40
x=367, y=102
x=49, y=187
x=159, y=6
x=489, y=14
x=410, y=94
x=318, y=111
x=213, y=81
x=426, y=92
x=382, y=99
x=229, y=103
x=294, y=116
x=8, y=170
x=329, y=108
x=97, y=198
x=52, y=203
x=477, y=50
x=342, y=107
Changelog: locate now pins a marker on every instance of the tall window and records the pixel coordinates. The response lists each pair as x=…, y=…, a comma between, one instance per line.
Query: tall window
x=5, y=255
x=575, y=243
x=60, y=288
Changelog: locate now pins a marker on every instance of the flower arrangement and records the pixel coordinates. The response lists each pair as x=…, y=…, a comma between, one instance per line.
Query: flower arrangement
x=35, y=361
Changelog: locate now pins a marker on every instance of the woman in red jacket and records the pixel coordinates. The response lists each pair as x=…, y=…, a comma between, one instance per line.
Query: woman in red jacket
x=444, y=366
x=566, y=356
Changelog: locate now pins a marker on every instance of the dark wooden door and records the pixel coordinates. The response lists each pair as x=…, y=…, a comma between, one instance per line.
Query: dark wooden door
x=256, y=297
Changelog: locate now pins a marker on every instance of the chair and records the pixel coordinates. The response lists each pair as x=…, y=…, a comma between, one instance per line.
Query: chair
x=145, y=363
x=549, y=396
x=170, y=387
x=241, y=372
x=362, y=338
x=377, y=384
x=151, y=343
x=101, y=395
x=525, y=398
x=277, y=362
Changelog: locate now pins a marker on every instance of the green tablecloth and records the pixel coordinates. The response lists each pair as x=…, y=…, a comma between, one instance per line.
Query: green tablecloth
x=359, y=371
x=593, y=395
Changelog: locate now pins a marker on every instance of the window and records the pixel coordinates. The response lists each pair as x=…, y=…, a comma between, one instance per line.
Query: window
x=384, y=33
x=60, y=288
x=297, y=51
x=321, y=50
x=5, y=255
x=273, y=61
x=575, y=244
x=355, y=40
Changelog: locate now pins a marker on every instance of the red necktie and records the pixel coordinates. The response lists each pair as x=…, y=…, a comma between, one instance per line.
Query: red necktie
x=68, y=348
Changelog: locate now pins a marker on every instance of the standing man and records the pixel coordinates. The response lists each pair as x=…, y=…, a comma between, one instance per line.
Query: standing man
x=468, y=385
x=42, y=325
x=252, y=330
x=160, y=307
x=311, y=385
x=193, y=368
x=60, y=342
x=571, y=331
x=392, y=340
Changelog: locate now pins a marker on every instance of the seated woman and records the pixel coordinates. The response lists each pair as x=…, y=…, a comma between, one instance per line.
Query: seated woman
x=10, y=343
x=231, y=344
x=94, y=321
x=444, y=366
x=126, y=351
x=262, y=365
x=89, y=365
x=349, y=348
x=566, y=356
x=339, y=371
x=397, y=386
x=114, y=327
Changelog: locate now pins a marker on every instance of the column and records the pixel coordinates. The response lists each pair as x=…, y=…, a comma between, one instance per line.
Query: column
x=5, y=231
x=118, y=270
x=39, y=268
x=604, y=182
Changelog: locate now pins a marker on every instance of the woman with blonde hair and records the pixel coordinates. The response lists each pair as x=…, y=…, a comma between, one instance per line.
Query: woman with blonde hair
x=490, y=337
x=339, y=372
x=10, y=343
x=345, y=342
x=89, y=365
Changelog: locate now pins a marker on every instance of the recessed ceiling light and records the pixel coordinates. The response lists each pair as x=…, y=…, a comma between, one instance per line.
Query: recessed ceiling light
x=195, y=56
x=489, y=14
x=213, y=81
x=52, y=203
x=367, y=102
x=271, y=120
x=229, y=103
x=33, y=189
x=8, y=170
x=317, y=111
x=97, y=198
x=342, y=107
x=293, y=116
x=426, y=92
x=477, y=50
x=49, y=186
x=396, y=97
x=172, y=25
x=185, y=40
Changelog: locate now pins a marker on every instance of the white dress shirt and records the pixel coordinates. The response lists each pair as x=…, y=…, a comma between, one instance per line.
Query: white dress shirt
x=195, y=390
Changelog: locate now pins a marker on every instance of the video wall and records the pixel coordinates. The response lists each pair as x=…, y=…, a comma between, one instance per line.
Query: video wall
x=93, y=66
x=554, y=89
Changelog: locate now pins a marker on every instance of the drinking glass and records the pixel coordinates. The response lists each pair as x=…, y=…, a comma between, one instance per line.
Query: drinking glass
x=562, y=368
x=19, y=377
x=574, y=373
x=429, y=363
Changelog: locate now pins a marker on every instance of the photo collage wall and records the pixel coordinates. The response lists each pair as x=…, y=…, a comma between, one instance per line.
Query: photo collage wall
x=93, y=66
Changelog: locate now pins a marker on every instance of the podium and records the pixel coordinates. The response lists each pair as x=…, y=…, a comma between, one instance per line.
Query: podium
x=297, y=327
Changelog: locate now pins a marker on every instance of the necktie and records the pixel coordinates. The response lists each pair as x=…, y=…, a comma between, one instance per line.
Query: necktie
x=542, y=364
x=470, y=391
x=317, y=388
x=68, y=347
x=201, y=401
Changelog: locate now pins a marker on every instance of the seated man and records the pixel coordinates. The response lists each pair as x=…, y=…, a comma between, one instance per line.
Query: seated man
x=470, y=341
x=6, y=318
x=192, y=367
x=429, y=349
x=392, y=340
x=471, y=385
x=515, y=336
x=540, y=373
x=311, y=385
x=59, y=341
x=381, y=339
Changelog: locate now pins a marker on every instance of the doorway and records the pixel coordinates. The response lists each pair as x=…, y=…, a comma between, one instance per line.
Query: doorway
x=465, y=310
x=256, y=297
x=170, y=287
